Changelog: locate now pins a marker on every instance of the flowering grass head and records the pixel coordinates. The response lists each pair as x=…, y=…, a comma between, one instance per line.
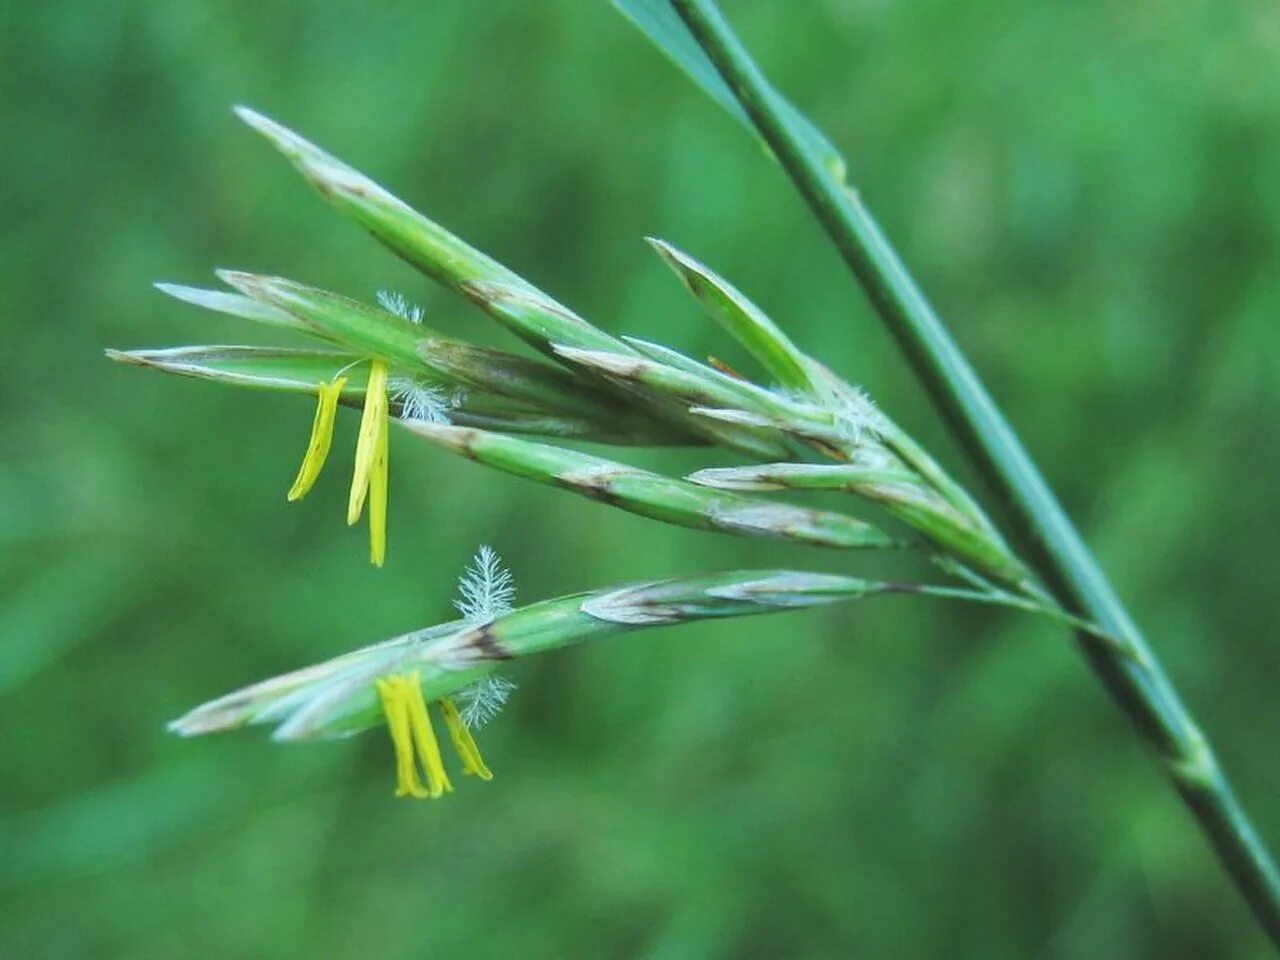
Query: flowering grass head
x=803, y=427
x=452, y=669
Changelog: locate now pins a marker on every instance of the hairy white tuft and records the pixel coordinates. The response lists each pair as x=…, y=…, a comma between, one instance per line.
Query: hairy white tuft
x=418, y=400
x=483, y=700
x=396, y=303
x=486, y=589
x=423, y=401
x=860, y=413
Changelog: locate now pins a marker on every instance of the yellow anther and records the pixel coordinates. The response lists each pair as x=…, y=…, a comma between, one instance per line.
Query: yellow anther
x=463, y=742
x=396, y=707
x=415, y=738
x=378, y=498
x=425, y=737
x=372, y=424
x=321, y=437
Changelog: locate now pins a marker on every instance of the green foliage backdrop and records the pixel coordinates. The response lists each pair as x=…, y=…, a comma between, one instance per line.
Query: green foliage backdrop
x=1087, y=190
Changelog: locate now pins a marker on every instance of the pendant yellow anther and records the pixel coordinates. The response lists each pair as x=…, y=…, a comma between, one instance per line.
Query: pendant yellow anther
x=396, y=708
x=378, y=498
x=321, y=437
x=425, y=737
x=415, y=739
x=372, y=423
x=463, y=742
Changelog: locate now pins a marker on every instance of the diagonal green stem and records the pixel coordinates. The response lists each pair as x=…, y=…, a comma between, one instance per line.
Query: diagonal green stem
x=1134, y=678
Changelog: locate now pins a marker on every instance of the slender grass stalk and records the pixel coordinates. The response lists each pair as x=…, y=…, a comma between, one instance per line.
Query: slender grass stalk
x=1049, y=540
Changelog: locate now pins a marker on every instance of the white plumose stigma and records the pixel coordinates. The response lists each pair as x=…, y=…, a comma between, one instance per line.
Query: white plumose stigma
x=486, y=591
x=396, y=303
x=859, y=414
x=423, y=401
x=483, y=700
x=418, y=401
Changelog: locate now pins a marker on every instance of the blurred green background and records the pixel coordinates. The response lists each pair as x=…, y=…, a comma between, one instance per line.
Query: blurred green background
x=1087, y=190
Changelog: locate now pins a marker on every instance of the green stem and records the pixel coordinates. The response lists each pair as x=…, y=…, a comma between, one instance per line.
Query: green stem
x=990, y=594
x=1136, y=681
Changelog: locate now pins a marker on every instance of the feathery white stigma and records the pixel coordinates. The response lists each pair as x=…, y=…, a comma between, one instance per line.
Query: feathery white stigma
x=396, y=303
x=483, y=700
x=860, y=413
x=423, y=401
x=486, y=591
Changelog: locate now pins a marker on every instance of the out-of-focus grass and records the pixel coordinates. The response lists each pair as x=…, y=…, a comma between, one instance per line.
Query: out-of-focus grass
x=1087, y=192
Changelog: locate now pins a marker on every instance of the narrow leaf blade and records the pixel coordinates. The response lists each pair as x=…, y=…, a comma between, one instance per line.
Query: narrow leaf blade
x=660, y=22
